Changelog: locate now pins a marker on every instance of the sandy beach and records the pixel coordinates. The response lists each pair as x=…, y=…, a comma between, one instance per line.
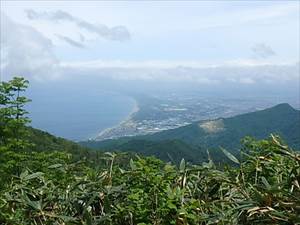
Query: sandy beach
x=120, y=129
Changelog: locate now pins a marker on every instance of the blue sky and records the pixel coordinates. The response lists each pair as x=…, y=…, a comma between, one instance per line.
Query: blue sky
x=155, y=34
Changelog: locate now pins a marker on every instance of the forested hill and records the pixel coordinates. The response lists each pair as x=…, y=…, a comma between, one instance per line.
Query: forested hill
x=197, y=137
x=281, y=119
x=44, y=141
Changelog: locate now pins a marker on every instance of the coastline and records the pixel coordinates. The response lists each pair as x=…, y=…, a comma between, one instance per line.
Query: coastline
x=134, y=110
x=123, y=124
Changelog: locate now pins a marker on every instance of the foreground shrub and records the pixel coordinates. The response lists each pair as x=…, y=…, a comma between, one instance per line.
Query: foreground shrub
x=261, y=188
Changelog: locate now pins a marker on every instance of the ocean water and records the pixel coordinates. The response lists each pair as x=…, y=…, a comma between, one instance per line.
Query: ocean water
x=76, y=113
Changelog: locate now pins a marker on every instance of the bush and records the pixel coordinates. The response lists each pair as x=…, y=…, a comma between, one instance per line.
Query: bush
x=262, y=189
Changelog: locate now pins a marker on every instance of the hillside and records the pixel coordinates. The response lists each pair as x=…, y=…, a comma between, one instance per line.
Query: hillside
x=47, y=143
x=281, y=119
x=44, y=141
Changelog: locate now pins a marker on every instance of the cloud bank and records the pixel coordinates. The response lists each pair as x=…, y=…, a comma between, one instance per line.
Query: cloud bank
x=24, y=50
x=33, y=56
x=217, y=75
x=116, y=33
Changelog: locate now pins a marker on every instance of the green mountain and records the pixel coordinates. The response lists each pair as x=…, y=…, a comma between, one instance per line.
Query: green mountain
x=281, y=119
x=193, y=140
x=44, y=141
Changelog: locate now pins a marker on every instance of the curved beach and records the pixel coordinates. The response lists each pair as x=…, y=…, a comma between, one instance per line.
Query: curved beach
x=125, y=128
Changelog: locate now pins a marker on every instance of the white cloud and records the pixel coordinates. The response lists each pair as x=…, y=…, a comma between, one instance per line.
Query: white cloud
x=167, y=64
x=262, y=50
x=116, y=33
x=25, y=52
x=202, y=75
x=70, y=41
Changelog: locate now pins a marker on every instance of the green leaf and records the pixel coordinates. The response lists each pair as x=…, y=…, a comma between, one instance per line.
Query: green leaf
x=132, y=164
x=171, y=206
x=122, y=171
x=34, y=175
x=109, y=154
x=266, y=183
x=23, y=174
x=67, y=218
x=182, y=165
x=55, y=166
x=230, y=156
x=37, y=205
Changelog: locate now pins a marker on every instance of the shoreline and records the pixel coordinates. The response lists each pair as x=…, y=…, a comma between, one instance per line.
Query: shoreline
x=123, y=122
x=134, y=110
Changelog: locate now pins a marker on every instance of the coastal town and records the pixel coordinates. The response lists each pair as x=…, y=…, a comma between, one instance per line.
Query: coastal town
x=154, y=114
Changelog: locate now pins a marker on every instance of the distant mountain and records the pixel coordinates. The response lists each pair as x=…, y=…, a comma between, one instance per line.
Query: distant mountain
x=193, y=140
x=281, y=119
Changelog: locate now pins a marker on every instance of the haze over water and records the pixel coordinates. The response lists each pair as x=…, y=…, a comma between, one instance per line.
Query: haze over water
x=77, y=115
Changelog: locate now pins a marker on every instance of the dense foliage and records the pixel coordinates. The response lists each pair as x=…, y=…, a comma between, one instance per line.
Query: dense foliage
x=263, y=188
x=13, y=115
x=79, y=186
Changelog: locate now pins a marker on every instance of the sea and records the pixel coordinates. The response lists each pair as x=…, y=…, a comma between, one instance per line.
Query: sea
x=76, y=114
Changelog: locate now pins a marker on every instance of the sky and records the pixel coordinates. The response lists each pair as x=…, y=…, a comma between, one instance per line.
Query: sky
x=173, y=41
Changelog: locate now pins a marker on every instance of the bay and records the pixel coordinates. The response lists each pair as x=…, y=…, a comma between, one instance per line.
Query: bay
x=76, y=113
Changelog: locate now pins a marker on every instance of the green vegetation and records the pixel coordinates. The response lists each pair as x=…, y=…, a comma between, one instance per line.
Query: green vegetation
x=264, y=188
x=24, y=147
x=167, y=150
x=12, y=115
x=54, y=181
x=282, y=120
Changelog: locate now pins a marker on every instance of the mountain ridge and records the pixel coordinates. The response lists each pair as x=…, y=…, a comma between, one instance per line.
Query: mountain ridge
x=281, y=119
